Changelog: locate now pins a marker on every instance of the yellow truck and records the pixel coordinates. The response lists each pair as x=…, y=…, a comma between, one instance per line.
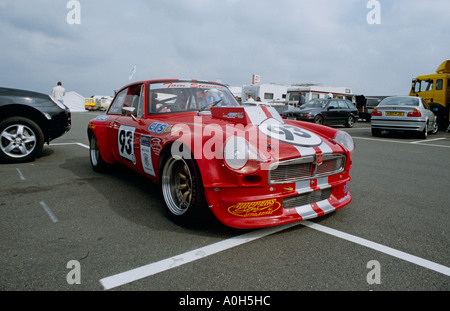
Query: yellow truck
x=91, y=104
x=435, y=89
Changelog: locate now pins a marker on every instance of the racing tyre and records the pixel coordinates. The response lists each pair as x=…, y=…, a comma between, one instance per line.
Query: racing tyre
x=21, y=140
x=98, y=164
x=182, y=191
x=350, y=122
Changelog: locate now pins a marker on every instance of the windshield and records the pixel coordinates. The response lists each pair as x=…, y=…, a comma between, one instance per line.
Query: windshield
x=172, y=97
x=422, y=86
x=315, y=103
x=400, y=101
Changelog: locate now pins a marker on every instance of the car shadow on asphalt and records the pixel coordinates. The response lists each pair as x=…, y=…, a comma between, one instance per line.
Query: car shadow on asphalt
x=139, y=200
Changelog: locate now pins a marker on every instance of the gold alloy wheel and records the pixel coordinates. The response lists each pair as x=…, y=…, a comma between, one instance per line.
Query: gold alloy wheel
x=176, y=184
x=184, y=186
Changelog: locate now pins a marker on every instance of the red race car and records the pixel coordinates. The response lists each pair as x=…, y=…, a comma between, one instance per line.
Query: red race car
x=245, y=164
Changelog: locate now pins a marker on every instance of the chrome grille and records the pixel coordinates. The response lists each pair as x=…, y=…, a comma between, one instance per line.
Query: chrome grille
x=293, y=171
x=330, y=166
x=306, y=168
x=307, y=198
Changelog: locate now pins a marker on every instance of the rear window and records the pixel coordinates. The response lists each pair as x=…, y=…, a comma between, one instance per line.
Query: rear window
x=400, y=101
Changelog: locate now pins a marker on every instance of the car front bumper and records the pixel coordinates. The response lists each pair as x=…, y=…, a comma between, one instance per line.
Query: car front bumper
x=248, y=208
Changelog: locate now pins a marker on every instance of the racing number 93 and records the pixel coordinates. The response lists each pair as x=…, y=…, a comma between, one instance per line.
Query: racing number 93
x=289, y=134
x=126, y=143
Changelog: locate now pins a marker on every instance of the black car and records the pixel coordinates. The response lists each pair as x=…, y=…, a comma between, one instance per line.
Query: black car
x=325, y=111
x=27, y=121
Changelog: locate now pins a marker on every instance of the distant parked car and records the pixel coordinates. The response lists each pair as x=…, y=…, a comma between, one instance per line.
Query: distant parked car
x=325, y=111
x=366, y=105
x=27, y=121
x=404, y=113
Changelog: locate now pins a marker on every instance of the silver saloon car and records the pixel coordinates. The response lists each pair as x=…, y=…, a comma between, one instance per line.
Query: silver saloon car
x=404, y=113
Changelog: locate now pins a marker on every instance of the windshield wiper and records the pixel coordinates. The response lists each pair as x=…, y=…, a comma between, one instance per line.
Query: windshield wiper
x=212, y=105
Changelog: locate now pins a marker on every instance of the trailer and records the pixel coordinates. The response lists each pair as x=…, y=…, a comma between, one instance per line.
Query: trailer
x=316, y=92
x=267, y=93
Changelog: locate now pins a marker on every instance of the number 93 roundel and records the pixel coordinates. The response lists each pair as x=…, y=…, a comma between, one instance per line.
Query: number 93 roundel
x=126, y=143
x=289, y=134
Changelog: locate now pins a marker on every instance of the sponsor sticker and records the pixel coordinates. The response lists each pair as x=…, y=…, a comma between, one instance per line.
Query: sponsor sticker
x=255, y=209
x=102, y=118
x=146, y=155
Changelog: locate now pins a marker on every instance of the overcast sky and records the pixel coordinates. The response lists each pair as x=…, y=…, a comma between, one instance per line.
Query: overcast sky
x=283, y=41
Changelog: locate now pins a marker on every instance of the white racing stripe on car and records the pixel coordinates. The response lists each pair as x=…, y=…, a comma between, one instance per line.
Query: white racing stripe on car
x=275, y=114
x=322, y=183
x=325, y=206
x=305, y=151
x=325, y=148
x=256, y=115
x=303, y=186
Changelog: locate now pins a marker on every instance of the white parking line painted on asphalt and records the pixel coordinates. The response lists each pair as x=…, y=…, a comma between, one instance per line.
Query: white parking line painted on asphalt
x=49, y=212
x=423, y=143
x=427, y=140
x=83, y=145
x=176, y=261
x=381, y=248
x=68, y=144
x=20, y=174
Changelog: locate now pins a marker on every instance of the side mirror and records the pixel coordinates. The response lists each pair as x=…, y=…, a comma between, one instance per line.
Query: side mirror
x=129, y=111
x=126, y=111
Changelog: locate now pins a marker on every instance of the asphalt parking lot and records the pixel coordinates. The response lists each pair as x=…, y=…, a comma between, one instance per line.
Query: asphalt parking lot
x=65, y=227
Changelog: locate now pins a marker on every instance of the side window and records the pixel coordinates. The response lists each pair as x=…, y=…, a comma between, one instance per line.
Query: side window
x=133, y=100
x=343, y=105
x=140, y=111
x=333, y=104
x=439, y=84
x=117, y=104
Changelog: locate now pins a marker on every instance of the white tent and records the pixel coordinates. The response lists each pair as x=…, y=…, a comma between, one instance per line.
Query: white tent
x=74, y=101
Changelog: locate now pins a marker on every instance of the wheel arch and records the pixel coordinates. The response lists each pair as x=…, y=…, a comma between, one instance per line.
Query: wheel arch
x=102, y=146
x=18, y=110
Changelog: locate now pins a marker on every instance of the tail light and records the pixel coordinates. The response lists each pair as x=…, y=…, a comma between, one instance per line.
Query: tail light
x=376, y=113
x=415, y=114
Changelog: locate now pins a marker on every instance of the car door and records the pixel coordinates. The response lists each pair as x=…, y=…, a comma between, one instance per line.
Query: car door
x=342, y=112
x=126, y=127
x=331, y=114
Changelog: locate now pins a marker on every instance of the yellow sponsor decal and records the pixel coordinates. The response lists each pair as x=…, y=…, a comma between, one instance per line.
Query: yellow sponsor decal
x=255, y=209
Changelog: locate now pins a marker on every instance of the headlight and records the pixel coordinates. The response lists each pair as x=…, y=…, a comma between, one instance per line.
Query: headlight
x=238, y=152
x=345, y=140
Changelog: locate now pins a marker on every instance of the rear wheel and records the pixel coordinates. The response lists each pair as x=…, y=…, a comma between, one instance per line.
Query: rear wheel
x=21, y=140
x=424, y=133
x=182, y=189
x=350, y=122
x=435, y=128
x=376, y=132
